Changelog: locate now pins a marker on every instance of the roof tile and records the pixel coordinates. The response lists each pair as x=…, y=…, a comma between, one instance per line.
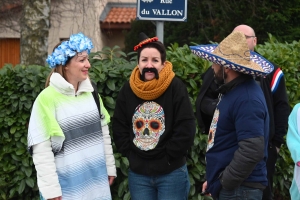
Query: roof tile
x=120, y=15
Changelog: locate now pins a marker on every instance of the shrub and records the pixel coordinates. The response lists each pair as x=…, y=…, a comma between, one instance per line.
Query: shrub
x=19, y=86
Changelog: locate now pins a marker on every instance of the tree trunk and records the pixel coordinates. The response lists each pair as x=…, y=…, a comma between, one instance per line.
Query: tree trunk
x=35, y=24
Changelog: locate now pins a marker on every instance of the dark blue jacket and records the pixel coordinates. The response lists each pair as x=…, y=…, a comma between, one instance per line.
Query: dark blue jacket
x=238, y=137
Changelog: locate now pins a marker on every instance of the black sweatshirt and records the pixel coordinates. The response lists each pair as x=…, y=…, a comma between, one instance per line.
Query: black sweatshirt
x=173, y=144
x=278, y=105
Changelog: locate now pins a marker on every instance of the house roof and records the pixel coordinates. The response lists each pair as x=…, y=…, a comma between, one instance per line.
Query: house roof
x=117, y=16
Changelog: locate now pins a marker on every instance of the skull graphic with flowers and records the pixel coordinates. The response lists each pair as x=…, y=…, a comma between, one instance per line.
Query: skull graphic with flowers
x=148, y=125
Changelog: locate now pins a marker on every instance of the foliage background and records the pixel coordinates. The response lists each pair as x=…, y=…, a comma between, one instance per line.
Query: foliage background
x=213, y=20
x=21, y=84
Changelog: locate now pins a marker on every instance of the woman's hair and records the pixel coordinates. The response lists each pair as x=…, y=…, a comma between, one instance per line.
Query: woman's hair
x=157, y=45
x=59, y=68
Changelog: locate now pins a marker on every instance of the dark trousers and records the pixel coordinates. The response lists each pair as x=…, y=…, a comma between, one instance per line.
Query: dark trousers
x=241, y=193
x=272, y=158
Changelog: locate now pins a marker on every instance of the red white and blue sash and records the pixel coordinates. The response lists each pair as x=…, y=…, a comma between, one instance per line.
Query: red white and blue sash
x=276, y=80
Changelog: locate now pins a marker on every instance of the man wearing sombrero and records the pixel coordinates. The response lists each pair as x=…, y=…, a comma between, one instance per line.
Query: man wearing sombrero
x=238, y=136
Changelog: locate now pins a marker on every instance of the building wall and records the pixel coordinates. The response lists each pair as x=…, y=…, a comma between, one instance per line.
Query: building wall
x=85, y=20
x=9, y=33
x=69, y=17
x=114, y=38
x=9, y=43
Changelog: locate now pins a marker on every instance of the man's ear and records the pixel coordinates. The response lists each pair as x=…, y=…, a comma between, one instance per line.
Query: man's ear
x=255, y=41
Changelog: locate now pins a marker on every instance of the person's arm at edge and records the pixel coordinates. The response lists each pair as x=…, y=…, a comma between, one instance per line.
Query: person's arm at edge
x=293, y=136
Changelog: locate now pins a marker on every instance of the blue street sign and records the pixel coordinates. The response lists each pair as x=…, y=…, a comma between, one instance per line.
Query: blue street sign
x=162, y=10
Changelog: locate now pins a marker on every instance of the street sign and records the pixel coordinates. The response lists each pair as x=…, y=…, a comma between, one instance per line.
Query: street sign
x=162, y=10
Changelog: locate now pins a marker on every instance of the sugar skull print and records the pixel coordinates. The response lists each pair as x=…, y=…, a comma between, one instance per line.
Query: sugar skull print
x=212, y=130
x=148, y=125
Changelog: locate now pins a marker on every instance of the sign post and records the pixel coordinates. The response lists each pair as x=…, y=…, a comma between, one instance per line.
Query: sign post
x=160, y=11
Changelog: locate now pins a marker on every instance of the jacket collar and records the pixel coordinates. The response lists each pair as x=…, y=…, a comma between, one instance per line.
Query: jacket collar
x=223, y=89
x=66, y=88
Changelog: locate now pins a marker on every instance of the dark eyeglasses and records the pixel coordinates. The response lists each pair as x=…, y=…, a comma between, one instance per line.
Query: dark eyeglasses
x=249, y=36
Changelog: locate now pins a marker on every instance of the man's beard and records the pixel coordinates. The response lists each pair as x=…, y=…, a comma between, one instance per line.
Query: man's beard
x=154, y=70
x=218, y=76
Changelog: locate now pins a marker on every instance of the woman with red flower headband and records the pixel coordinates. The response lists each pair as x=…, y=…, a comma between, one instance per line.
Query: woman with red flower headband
x=154, y=126
x=67, y=136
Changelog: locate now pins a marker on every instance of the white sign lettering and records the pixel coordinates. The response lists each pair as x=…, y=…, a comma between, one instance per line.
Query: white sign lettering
x=147, y=1
x=166, y=1
x=145, y=12
x=167, y=12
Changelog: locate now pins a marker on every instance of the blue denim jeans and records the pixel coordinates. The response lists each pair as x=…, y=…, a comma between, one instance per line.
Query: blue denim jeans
x=240, y=193
x=172, y=186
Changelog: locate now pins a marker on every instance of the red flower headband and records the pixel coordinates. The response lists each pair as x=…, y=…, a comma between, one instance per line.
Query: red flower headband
x=145, y=42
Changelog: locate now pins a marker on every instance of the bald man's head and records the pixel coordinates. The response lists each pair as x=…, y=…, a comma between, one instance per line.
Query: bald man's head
x=249, y=33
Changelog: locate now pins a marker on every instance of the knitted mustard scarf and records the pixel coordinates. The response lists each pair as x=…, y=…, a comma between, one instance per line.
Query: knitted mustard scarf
x=149, y=90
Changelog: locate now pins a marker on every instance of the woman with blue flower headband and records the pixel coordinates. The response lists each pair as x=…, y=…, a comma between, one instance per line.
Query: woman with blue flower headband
x=68, y=138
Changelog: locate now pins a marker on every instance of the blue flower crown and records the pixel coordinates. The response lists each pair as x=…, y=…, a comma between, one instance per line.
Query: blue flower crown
x=67, y=49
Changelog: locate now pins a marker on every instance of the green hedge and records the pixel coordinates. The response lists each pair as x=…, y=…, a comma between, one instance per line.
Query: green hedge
x=20, y=85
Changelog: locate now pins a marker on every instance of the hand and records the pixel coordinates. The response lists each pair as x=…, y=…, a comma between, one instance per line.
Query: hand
x=204, y=186
x=56, y=198
x=111, y=179
x=277, y=149
x=204, y=190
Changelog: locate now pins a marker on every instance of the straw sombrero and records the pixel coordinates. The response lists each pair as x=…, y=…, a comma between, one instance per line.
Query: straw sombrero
x=233, y=52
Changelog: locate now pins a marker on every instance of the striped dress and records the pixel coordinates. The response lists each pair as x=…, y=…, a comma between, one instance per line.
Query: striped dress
x=72, y=123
